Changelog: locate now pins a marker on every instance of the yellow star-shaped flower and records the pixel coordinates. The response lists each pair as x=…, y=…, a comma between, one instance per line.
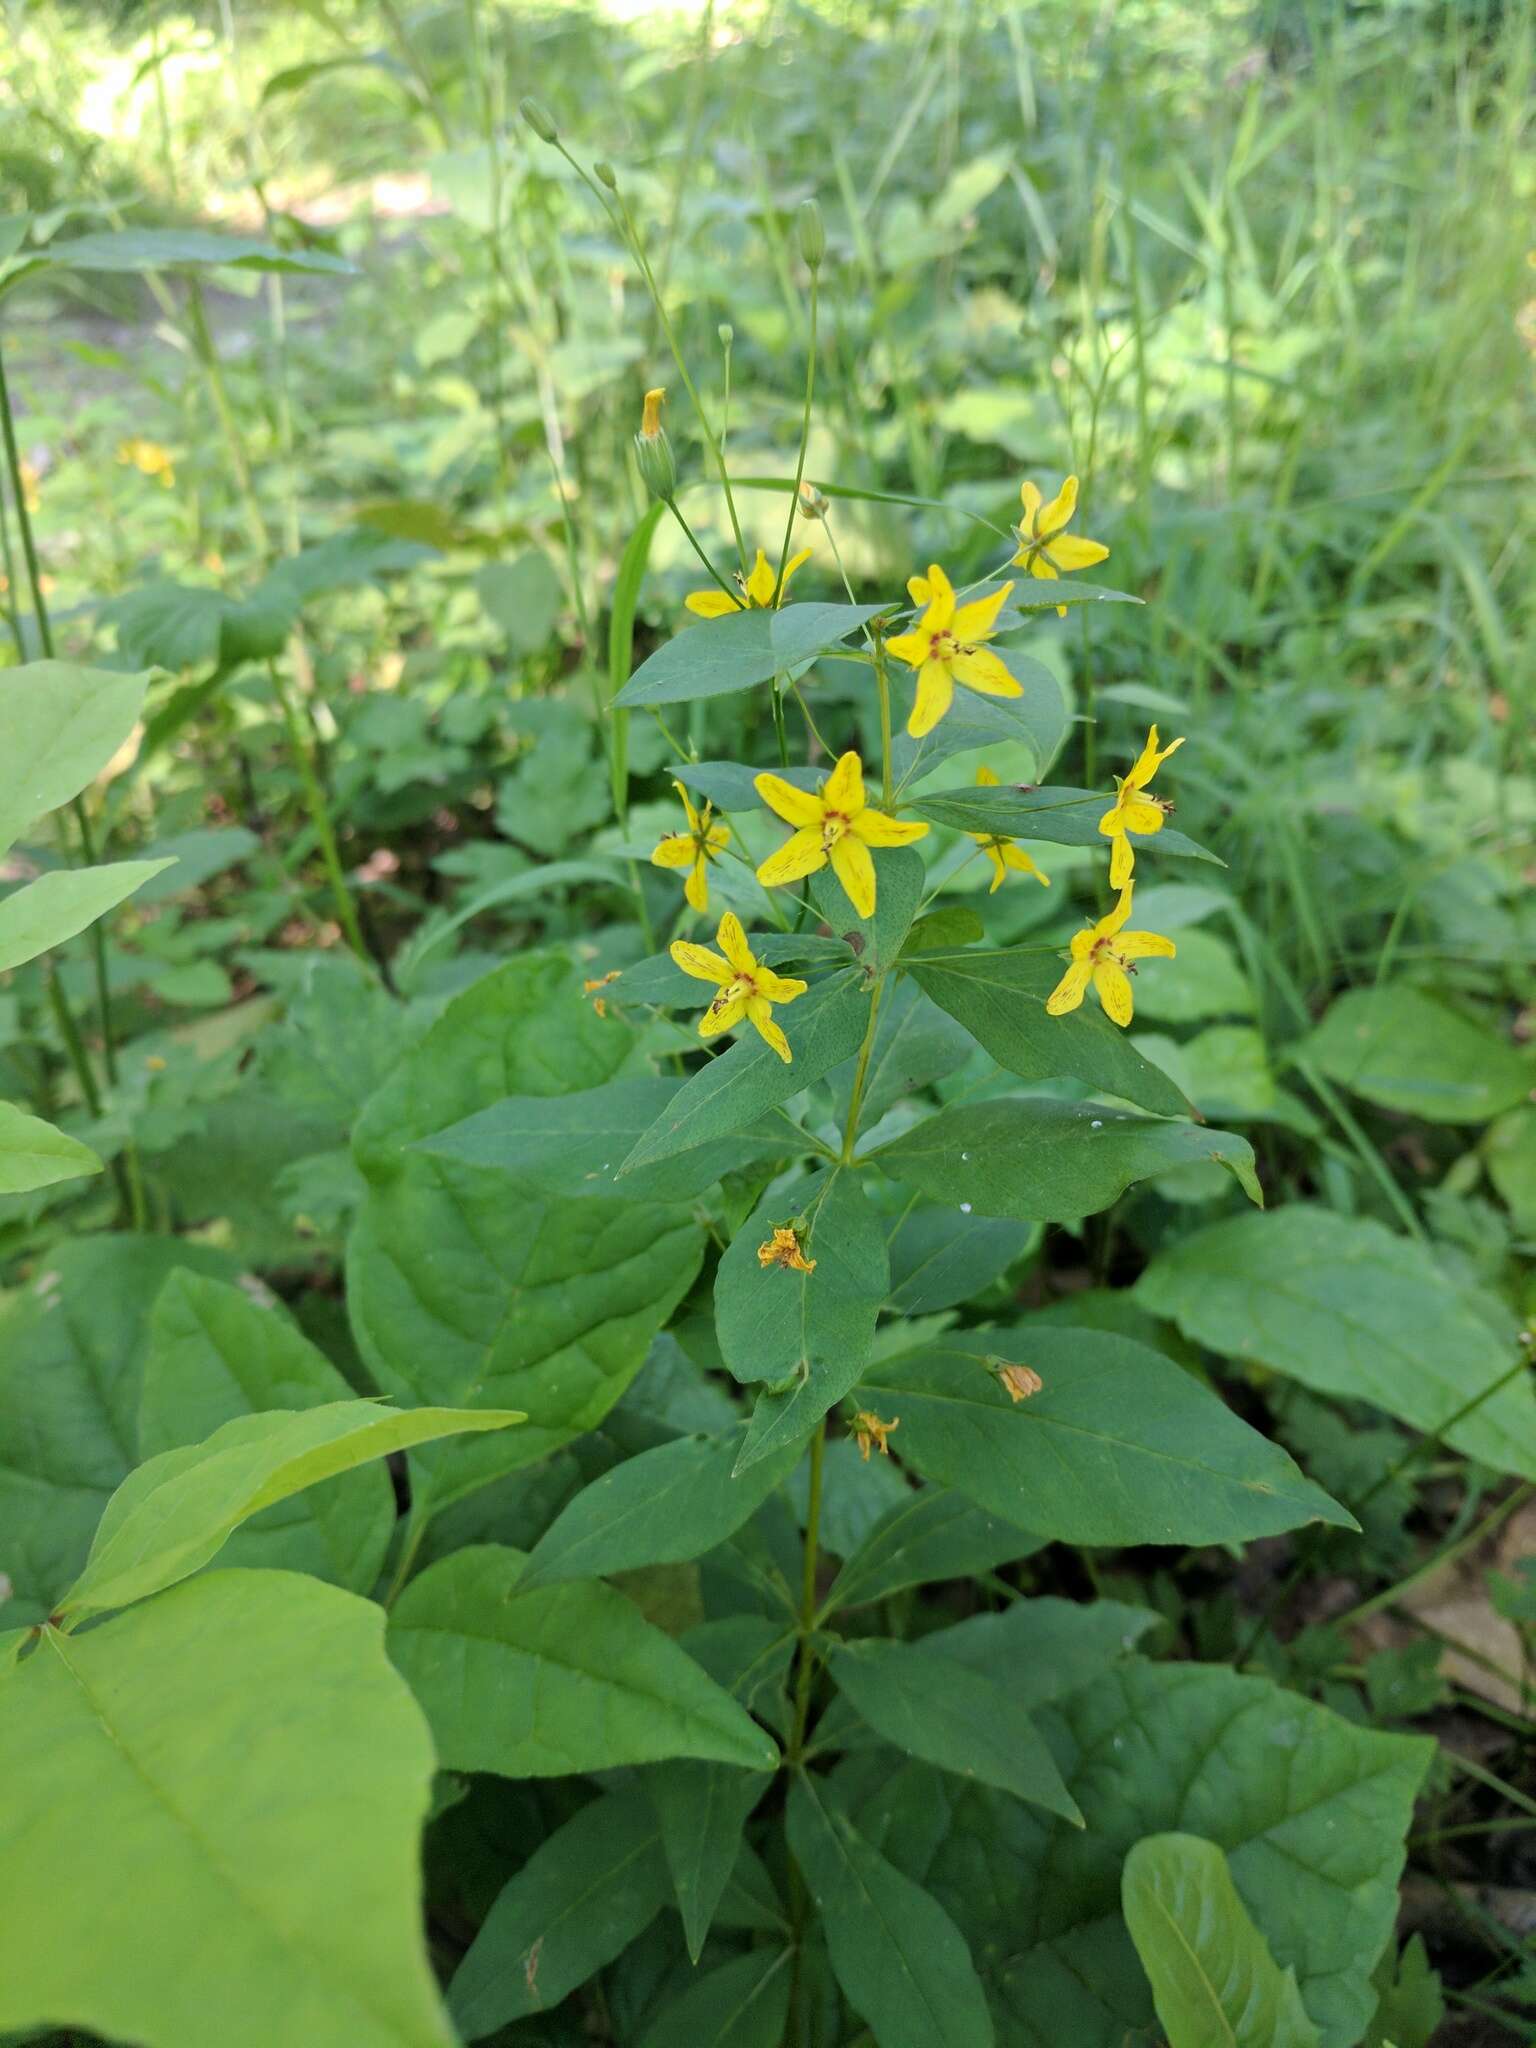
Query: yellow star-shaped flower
x=1133, y=810
x=744, y=987
x=1106, y=955
x=1045, y=546
x=759, y=592
x=1004, y=853
x=945, y=648
x=693, y=849
x=835, y=825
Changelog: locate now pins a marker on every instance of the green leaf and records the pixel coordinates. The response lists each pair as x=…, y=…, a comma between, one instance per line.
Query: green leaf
x=1214, y=1982
x=824, y=1027
x=1063, y=817
x=176, y=1511
x=1120, y=1446
x=875, y=941
x=1042, y=1650
x=933, y=1534
x=217, y=1352
x=523, y=597
x=1395, y=1045
x=247, y=1735
x=580, y=1899
x=185, y=249
x=60, y=725
x=35, y=1154
x=1038, y=719
x=901, y=1961
x=703, y=1810
x=1346, y=1307
x=564, y=1678
x=1050, y=1162
x=1000, y=999
x=915, y=1045
x=960, y=1719
x=664, y=1506
x=1412, y=2005
x=1510, y=1151
x=733, y=653
x=940, y=1257
x=732, y=785
x=56, y=906
x=741, y=2004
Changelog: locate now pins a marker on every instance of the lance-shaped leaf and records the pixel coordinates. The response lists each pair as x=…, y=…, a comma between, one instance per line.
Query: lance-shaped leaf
x=57, y=906
x=874, y=941
x=733, y=653
x=246, y=1735
x=185, y=249
x=1042, y=1650
x=740, y=2004
x=60, y=725
x=1000, y=998
x=1063, y=817
x=1051, y=1162
x=174, y=1512
x=703, y=1809
x=35, y=1154
x=1119, y=1446
x=1213, y=1978
x=932, y=1534
x=941, y=1256
x=1038, y=718
x=562, y=1679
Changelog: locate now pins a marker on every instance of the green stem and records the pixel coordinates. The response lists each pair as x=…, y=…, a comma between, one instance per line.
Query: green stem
x=673, y=508
x=69, y=1031
x=861, y=1074
x=883, y=684
x=805, y=435
x=229, y=425
x=778, y=724
x=319, y=815
x=805, y=1668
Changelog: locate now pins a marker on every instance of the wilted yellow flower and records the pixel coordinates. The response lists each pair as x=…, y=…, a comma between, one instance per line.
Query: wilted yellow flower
x=785, y=1249
x=1106, y=955
x=693, y=849
x=589, y=988
x=1045, y=547
x=1020, y=1380
x=836, y=825
x=870, y=1433
x=945, y=648
x=148, y=457
x=1004, y=853
x=759, y=591
x=1133, y=810
x=744, y=987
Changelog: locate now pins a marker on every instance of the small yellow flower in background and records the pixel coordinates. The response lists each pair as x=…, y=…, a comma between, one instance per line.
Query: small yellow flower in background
x=1106, y=955
x=870, y=1433
x=1045, y=547
x=785, y=1249
x=1133, y=810
x=945, y=648
x=1003, y=853
x=693, y=849
x=29, y=483
x=148, y=458
x=1020, y=1380
x=834, y=825
x=744, y=987
x=759, y=592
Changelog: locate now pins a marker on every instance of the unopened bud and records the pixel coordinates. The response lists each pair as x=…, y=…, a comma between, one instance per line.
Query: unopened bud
x=727, y=334
x=813, y=236
x=814, y=504
x=605, y=174
x=539, y=119
x=653, y=451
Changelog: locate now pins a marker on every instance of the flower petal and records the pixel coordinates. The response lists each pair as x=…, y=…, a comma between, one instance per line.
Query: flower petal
x=918, y=589
x=1070, y=552
x=856, y=871
x=911, y=648
x=687, y=803
x=778, y=988
x=732, y=941
x=701, y=963
x=935, y=692
x=1058, y=513
x=974, y=621
x=1108, y=926
x=1113, y=985
x=794, y=806
x=673, y=850
x=1145, y=946
x=1016, y=857
x=1039, y=566
x=716, y=837
x=760, y=585
x=1122, y=861
x=875, y=828
x=795, y=562
x=994, y=854
x=1140, y=814
x=801, y=854
x=711, y=604
x=1069, y=991
x=941, y=600
x=980, y=669
x=721, y=1015
x=767, y=1030
x=1030, y=498
x=696, y=888
x=986, y=777
x=843, y=789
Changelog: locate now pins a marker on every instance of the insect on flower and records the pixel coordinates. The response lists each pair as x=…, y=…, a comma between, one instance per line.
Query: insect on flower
x=693, y=849
x=835, y=825
x=744, y=988
x=945, y=648
x=760, y=591
x=1045, y=546
x=1106, y=955
x=1133, y=810
x=1003, y=852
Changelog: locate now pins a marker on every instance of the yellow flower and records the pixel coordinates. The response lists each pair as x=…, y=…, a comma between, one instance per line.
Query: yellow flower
x=693, y=849
x=1133, y=810
x=870, y=1433
x=1020, y=1380
x=1106, y=955
x=29, y=483
x=945, y=648
x=650, y=412
x=1003, y=853
x=785, y=1249
x=1045, y=546
x=759, y=592
x=835, y=825
x=744, y=987
x=148, y=458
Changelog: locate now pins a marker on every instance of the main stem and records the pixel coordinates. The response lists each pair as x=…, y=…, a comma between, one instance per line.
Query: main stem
x=883, y=685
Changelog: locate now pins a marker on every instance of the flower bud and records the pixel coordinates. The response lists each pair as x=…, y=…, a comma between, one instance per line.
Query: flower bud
x=727, y=334
x=814, y=504
x=539, y=119
x=653, y=451
x=605, y=174
x=813, y=236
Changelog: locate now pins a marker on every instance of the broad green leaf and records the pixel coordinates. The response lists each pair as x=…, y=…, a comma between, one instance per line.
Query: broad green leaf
x=1214, y=1982
x=1411, y=2006
x=940, y=1257
x=732, y=785
x=35, y=1154
x=1119, y=1446
x=875, y=941
x=56, y=906
x=740, y=2004
x=948, y=1714
x=662, y=1507
x=1038, y=719
x=1063, y=817
x=1042, y=1650
x=1050, y=1162
x=185, y=249
x=1395, y=1045
x=60, y=725
x=1000, y=998
x=566, y=1678
x=703, y=1810
x=733, y=653
x=1347, y=1308
x=1205, y=981
x=580, y=1899
x=901, y=1961
x=1510, y=1151
x=217, y=1352
x=246, y=1735
x=176, y=1511
x=933, y=1534
x=824, y=1027
x=915, y=1045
